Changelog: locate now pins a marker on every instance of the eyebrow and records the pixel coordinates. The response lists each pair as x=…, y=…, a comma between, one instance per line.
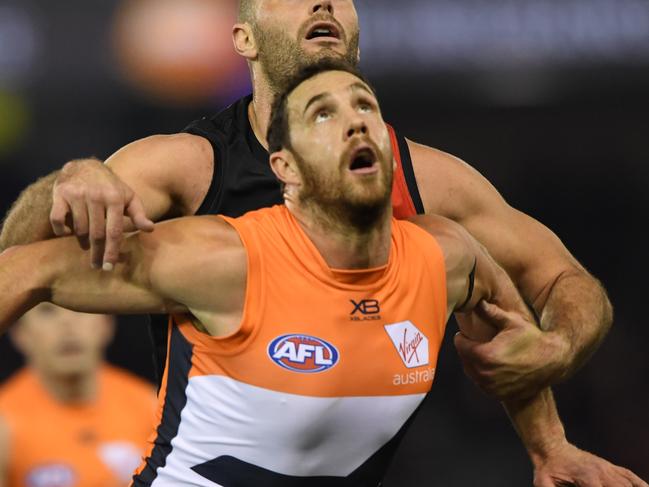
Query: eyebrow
x=315, y=99
x=361, y=86
x=357, y=86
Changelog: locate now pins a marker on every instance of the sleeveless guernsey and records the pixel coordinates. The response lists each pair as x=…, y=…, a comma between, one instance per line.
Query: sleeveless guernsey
x=321, y=379
x=243, y=181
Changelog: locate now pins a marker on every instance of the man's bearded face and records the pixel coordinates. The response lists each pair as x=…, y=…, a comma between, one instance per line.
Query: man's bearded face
x=283, y=52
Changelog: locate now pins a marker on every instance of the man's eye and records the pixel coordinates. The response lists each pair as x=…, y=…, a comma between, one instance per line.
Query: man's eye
x=364, y=108
x=322, y=116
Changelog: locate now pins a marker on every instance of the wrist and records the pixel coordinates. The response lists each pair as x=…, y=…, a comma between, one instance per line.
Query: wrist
x=537, y=422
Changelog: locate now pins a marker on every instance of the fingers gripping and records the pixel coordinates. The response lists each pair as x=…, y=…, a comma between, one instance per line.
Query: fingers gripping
x=135, y=211
x=114, y=232
x=58, y=214
x=495, y=315
x=96, y=201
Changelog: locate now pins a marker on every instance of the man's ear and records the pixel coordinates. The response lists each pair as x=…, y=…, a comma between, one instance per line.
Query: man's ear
x=283, y=165
x=244, y=41
x=18, y=336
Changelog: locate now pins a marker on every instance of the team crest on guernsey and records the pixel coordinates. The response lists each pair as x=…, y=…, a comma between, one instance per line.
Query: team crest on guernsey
x=411, y=344
x=303, y=353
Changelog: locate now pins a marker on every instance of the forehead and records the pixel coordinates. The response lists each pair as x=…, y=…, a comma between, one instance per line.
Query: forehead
x=47, y=313
x=334, y=83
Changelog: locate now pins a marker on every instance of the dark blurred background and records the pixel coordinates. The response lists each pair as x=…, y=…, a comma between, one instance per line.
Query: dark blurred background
x=547, y=98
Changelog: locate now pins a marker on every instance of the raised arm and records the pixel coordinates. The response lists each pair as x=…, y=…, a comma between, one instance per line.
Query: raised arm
x=574, y=311
x=155, y=178
x=173, y=269
x=476, y=283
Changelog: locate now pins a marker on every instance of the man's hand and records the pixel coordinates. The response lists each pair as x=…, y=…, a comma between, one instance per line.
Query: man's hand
x=518, y=361
x=567, y=465
x=91, y=202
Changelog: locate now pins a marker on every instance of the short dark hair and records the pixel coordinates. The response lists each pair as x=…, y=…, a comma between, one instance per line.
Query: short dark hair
x=246, y=11
x=278, y=136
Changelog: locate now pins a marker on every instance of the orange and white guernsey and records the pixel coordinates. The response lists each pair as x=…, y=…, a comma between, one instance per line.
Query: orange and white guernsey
x=317, y=385
x=96, y=443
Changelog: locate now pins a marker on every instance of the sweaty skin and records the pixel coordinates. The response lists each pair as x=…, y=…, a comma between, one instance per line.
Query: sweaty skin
x=160, y=177
x=170, y=176
x=159, y=272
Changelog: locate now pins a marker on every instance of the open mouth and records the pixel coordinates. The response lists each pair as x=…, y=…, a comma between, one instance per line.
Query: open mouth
x=323, y=30
x=363, y=160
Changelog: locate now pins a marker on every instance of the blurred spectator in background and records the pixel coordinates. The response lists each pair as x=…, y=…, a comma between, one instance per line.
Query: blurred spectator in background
x=68, y=419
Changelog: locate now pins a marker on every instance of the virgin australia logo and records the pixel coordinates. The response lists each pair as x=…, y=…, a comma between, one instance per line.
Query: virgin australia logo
x=410, y=343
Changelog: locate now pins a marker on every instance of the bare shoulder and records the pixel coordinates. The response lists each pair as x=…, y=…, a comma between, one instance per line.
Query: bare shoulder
x=188, y=258
x=449, y=186
x=174, y=147
x=179, y=165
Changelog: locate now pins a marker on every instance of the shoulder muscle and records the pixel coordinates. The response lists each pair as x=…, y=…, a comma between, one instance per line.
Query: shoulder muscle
x=200, y=262
x=170, y=173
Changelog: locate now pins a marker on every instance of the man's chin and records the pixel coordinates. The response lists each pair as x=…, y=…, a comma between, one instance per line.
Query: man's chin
x=325, y=50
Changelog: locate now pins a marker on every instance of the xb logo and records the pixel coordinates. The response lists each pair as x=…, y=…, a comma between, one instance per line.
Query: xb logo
x=366, y=309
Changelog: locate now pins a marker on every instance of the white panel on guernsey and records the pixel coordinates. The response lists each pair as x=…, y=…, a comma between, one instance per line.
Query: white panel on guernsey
x=286, y=433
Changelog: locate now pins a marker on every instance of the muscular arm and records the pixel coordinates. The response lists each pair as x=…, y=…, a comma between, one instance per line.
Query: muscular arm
x=158, y=177
x=572, y=306
x=535, y=418
x=173, y=269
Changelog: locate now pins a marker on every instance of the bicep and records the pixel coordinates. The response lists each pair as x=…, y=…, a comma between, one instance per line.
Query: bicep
x=124, y=290
x=531, y=254
x=176, y=269
x=171, y=174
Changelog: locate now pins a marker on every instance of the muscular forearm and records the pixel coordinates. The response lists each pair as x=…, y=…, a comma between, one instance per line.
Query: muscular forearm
x=20, y=288
x=537, y=423
x=578, y=310
x=59, y=271
x=28, y=219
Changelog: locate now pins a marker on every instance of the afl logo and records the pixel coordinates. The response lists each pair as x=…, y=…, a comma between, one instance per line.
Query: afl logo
x=302, y=353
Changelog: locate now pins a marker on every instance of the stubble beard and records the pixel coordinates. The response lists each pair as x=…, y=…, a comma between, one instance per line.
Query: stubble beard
x=338, y=204
x=281, y=57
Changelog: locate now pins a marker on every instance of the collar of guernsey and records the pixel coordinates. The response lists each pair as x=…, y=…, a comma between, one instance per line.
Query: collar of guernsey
x=291, y=290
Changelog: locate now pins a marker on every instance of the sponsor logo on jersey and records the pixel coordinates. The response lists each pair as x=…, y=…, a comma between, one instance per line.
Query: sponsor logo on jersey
x=303, y=353
x=415, y=377
x=410, y=343
x=364, y=310
x=51, y=475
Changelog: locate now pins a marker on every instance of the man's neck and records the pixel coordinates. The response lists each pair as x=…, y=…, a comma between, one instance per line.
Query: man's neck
x=73, y=388
x=262, y=104
x=343, y=246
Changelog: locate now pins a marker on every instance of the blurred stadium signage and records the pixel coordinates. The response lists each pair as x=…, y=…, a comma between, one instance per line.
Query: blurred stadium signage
x=451, y=34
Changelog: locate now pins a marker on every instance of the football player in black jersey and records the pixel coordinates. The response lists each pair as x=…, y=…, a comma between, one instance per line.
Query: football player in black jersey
x=219, y=164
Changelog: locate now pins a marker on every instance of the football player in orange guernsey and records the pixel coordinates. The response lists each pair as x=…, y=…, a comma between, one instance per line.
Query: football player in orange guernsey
x=270, y=379
x=68, y=419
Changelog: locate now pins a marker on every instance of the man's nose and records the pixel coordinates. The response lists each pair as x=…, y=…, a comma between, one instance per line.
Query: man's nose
x=357, y=127
x=322, y=6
